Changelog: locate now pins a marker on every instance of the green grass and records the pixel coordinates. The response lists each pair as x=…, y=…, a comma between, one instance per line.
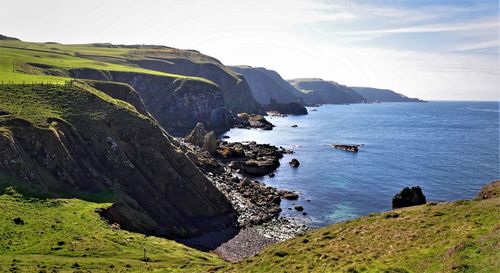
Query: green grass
x=38, y=103
x=463, y=236
x=17, y=57
x=67, y=235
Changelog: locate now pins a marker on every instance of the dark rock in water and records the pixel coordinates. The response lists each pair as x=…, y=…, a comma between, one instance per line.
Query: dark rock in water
x=299, y=208
x=304, y=213
x=289, y=195
x=349, y=148
x=271, y=175
x=244, y=120
x=291, y=108
x=295, y=126
x=408, y=197
x=259, y=167
x=225, y=136
x=294, y=163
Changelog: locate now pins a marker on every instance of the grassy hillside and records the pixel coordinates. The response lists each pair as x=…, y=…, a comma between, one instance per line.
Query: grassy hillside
x=67, y=235
x=35, y=62
x=462, y=236
x=38, y=103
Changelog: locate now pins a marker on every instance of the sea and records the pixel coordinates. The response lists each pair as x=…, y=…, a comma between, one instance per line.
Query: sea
x=449, y=149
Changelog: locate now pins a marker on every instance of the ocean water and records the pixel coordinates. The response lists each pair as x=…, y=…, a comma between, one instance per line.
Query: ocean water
x=450, y=149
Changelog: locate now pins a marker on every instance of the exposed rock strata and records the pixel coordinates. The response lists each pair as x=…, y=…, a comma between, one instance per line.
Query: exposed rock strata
x=102, y=148
x=178, y=104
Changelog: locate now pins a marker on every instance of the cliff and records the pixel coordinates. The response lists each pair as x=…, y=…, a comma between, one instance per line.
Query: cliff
x=267, y=85
x=318, y=91
x=207, y=98
x=383, y=95
x=235, y=90
x=72, y=141
x=177, y=104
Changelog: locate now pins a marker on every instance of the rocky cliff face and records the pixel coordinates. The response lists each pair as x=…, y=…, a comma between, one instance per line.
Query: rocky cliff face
x=71, y=142
x=237, y=95
x=383, y=95
x=178, y=104
x=318, y=91
x=266, y=85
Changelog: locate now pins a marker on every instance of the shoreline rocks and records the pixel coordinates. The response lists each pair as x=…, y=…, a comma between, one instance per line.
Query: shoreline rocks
x=247, y=121
x=349, y=148
x=250, y=158
x=291, y=108
x=408, y=197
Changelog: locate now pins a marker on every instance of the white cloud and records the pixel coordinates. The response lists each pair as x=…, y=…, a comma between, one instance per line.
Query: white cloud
x=264, y=33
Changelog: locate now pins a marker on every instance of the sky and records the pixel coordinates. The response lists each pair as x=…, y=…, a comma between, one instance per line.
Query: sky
x=435, y=50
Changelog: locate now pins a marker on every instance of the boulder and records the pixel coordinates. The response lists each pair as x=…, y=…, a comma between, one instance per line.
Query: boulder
x=259, y=167
x=210, y=142
x=289, y=195
x=294, y=163
x=299, y=208
x=259, y=121
x=197, y=135
x=408, y=197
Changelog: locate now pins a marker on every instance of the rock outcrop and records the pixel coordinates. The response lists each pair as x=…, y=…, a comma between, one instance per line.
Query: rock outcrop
x=201, y=138
x=489, y=191
x=290, y=108
x=294, y=163
x=251, y=158
x=318, y=91
x=408, y=197
x=383, y=95
x=244, y=120
x=70, y=142
x=178, y=104
x=235, y=90
x=349, y=148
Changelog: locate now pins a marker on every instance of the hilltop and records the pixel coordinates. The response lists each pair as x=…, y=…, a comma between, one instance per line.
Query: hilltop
x=383, y=95
x=318, y=91
x=152, y=71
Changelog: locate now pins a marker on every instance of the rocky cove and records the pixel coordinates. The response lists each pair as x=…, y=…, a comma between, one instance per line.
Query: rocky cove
x=230, y=166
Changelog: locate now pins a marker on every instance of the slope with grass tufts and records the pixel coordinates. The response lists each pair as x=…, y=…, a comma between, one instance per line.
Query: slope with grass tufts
x=67, y=235
x=74, y=141
x=461, y=236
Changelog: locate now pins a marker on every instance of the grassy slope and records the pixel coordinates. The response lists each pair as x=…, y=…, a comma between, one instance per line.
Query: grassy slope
x=67, y=235
x=14, y=55
x=37, y=103
x=463, y=236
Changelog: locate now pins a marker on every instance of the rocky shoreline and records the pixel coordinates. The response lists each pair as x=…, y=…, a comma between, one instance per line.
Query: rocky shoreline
x=230, y=167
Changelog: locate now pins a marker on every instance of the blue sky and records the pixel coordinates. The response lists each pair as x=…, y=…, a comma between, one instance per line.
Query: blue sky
x=427, y=49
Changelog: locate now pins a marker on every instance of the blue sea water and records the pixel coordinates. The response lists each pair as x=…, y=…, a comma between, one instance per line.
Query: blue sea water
x=450, y=149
